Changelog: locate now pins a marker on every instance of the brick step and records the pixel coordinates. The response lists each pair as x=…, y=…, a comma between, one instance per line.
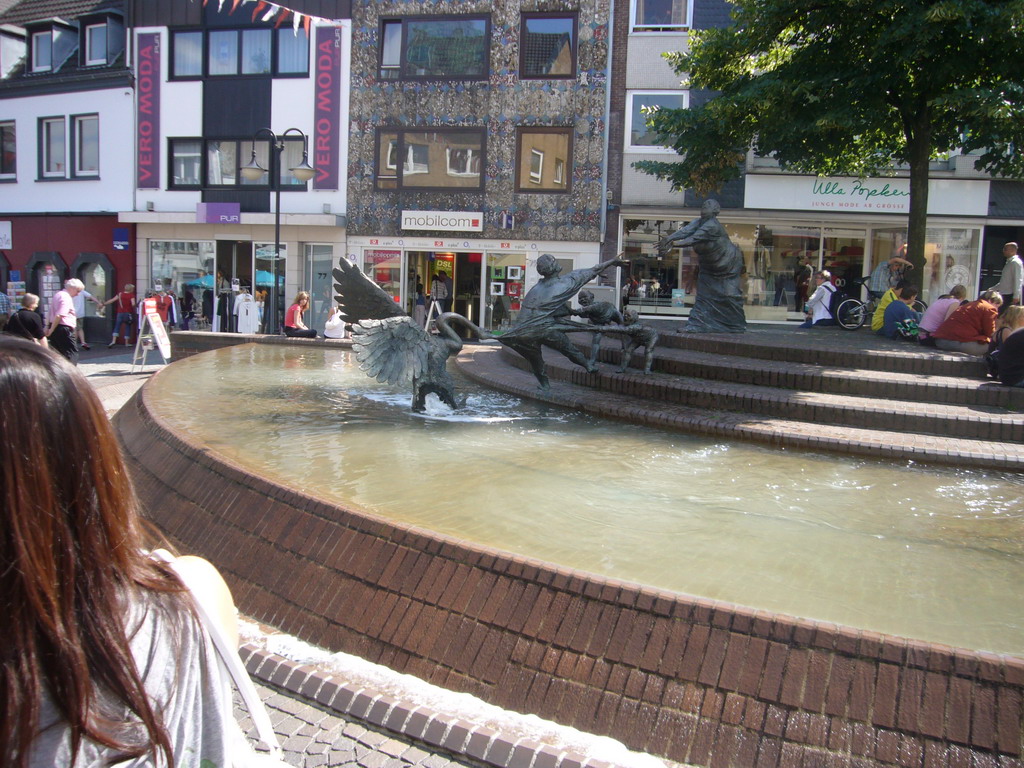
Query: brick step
x=889, y=385
x=967, y=421
x=640, y=399
x=833, y=347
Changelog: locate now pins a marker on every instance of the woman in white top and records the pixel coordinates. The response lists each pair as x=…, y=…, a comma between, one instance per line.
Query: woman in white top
x=105, y=658
x=818, y=312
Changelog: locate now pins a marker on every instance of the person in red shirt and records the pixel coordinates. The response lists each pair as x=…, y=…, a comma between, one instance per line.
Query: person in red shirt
x=293, y=324
x=969, y=329
x=125, y=301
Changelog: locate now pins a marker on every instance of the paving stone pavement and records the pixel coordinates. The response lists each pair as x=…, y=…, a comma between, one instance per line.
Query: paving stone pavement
x=313, y=737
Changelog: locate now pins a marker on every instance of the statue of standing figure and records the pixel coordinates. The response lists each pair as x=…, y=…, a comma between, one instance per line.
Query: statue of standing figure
x=718, y=307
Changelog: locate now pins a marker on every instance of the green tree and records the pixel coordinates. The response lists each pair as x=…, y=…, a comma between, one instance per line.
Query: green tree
x=851, y=87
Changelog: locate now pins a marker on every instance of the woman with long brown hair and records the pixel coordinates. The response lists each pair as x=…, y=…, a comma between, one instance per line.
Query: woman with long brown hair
x=103, y=659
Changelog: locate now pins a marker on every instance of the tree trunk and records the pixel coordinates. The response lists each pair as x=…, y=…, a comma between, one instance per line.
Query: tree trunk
x=919, y=154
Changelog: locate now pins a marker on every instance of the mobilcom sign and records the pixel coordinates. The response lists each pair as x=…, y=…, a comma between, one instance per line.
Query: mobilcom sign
x=443, y=221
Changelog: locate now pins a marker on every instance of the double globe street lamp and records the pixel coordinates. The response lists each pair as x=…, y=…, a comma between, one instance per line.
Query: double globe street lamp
x=253, y=171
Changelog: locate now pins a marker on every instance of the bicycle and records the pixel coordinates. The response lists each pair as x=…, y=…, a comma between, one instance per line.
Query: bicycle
x=852, y=313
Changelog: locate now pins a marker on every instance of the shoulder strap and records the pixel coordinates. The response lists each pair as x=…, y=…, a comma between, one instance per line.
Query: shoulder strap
x=229, y=657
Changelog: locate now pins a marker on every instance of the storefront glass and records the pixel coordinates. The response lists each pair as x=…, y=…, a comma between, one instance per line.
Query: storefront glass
x=775, y=254
x=505, y=285
x=318, y=262
x=266, y=267
x=384, y=267
x=181, y=266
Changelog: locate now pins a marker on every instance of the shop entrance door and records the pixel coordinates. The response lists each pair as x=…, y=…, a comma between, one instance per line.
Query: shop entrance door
x=234, y=262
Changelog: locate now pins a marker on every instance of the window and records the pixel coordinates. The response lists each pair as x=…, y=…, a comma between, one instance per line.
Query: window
x=256, y=51
x=87, y=144
x=659, y=15
x=441, y=159
x=449, y=48
x=292, y=53
x=548, y=48
x=42, y=51
x=96, y=44
x=53, y=147
x=639, y=105
x=240, y=52
x=187, y=54
x=196, y=163
x=186, y=162
x=543, y=159
x=8, y=154
x=223, y=55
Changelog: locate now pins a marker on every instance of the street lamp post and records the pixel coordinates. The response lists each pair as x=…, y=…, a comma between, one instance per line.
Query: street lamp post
x=254, y=172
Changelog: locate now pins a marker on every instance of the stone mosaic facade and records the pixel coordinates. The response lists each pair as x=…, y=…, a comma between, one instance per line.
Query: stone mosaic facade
x=500, y=104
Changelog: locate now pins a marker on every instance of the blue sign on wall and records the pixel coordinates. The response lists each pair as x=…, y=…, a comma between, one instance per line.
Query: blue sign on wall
x=121, y=242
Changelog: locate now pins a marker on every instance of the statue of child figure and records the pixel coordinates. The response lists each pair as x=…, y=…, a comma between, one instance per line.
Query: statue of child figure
x=598, y=313
x=637, y=335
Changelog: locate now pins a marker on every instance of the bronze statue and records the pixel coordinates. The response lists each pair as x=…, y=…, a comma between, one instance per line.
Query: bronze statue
x=392, y=348
x=598, y=313
x=544, y=318
x=637, y=335
x=718, y=307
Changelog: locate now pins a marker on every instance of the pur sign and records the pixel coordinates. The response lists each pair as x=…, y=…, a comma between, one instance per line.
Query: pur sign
x=443, y=221
x=326, y=137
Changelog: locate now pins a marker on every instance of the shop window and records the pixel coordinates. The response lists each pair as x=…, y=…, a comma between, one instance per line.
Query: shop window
x=8, y=151
x=96, y=44
x=42, y=51
x=659, y=15
x=449, y=47
x=543, y=159
x=86, y=131
x=186, y=265
x=548, y=46
x=187, y=54
x=318, y=261
x=639, y=105
x=53, y=147
x=430, y=159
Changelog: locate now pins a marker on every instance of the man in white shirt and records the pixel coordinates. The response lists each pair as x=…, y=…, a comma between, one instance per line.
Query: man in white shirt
x=79, y=301
x=1009, y=284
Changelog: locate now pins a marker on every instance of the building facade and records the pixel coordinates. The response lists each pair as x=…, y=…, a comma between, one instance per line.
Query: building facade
x=219, y=90
x=66, y=116
x=478, y=142
x=777, y=219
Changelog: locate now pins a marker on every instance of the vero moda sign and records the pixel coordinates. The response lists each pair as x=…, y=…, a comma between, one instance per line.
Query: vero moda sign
x=147, y=89
x=443, y=221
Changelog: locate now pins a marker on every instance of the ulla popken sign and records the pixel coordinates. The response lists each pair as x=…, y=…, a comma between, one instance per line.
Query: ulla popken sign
x=443, y=221
x=147, y=89
x=952, y=197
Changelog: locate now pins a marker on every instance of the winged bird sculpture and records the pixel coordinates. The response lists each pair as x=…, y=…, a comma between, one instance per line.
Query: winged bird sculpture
x=390, y=346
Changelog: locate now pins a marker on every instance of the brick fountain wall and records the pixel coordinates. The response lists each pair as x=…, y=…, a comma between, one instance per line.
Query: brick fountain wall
x=693, y=680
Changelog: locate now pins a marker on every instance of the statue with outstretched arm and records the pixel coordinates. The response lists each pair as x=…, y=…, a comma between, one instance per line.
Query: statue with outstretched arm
x=545, y=316
x=718, y=307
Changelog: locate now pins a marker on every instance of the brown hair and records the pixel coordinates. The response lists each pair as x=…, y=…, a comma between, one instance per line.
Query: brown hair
x=300, y=296
x=70, y=560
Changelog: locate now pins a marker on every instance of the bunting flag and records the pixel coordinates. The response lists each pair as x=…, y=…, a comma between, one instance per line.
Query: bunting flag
x=277, y=11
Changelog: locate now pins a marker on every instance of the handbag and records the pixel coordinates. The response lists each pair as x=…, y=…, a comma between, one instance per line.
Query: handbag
x=243, y=755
